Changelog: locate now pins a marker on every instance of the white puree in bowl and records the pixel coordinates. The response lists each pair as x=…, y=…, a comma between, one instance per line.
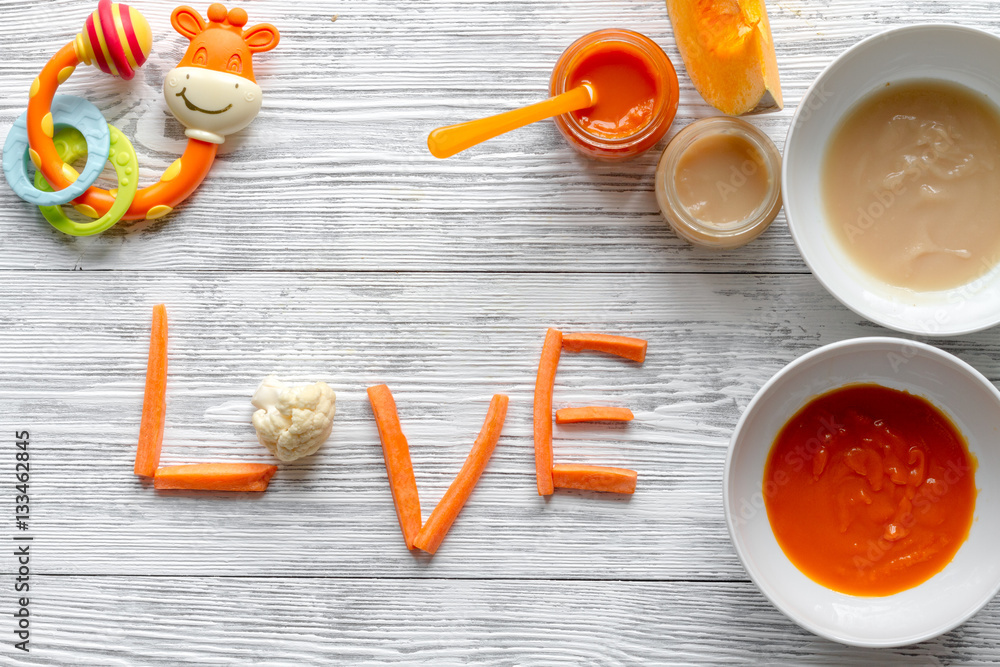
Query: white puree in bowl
x=911, y=185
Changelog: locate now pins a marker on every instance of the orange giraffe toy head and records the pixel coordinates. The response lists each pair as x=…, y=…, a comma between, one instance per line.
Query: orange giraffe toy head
x=212, y=91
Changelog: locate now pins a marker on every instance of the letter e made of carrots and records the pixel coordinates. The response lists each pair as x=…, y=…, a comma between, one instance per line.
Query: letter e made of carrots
x=550, y=475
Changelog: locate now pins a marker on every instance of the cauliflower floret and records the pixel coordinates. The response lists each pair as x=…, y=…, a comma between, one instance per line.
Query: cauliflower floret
x=293, y=422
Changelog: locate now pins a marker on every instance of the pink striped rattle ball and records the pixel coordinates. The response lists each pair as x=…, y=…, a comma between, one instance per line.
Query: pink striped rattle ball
x=116, y=39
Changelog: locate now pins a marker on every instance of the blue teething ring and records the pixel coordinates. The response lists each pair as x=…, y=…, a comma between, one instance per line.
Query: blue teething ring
x=66, y=110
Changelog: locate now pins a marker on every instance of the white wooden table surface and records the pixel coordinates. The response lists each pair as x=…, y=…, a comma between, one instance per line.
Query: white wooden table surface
x=328, y=244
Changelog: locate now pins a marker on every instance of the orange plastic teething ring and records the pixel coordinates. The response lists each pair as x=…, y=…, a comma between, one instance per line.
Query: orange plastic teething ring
x=151, y=202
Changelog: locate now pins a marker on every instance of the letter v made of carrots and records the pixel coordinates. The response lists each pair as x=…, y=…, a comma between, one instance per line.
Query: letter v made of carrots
x=428, y=536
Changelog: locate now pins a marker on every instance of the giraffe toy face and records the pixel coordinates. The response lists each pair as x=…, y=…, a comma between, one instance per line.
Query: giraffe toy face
x=212, y=91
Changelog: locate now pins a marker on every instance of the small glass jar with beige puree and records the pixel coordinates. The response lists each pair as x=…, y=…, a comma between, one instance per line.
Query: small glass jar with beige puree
x=718, y=182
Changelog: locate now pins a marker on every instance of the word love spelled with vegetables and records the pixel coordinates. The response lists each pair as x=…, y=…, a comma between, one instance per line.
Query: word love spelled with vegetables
x=293, y=422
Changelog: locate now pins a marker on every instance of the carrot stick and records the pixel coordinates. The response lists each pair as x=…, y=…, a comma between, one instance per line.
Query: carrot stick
x=397, y=462
x=433, y=532
x=543, y=410
x=216, y=477
x=154, y=401
x=594, y=478
x=593, y=413
x=621, y=346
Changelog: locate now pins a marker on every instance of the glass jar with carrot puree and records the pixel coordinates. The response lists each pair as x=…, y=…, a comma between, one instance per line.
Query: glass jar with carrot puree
x=636, y=89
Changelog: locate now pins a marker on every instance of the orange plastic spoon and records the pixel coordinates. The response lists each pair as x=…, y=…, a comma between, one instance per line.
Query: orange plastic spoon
x=446, y=141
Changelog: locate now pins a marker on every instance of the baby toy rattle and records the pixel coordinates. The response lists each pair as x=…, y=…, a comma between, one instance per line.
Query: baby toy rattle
x=212, y=92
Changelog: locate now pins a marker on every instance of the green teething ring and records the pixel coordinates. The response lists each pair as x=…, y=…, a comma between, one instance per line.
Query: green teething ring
x=71, y=146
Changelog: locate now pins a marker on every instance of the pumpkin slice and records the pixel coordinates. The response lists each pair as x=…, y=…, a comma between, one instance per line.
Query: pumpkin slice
x=728, y=52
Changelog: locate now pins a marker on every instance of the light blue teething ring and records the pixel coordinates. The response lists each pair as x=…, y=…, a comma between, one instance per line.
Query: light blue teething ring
x=66, y=110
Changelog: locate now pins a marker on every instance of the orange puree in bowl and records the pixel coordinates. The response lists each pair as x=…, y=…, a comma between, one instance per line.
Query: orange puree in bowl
x=869, y=490
x=625, y=87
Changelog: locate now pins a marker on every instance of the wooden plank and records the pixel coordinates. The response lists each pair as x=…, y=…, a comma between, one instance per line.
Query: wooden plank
x=445, y=343
x=285, y=262
x=335, y=173
x=307, y=620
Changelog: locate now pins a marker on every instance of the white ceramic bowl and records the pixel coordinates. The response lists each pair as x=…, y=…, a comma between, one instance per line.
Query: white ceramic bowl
x=962, y=55
x=945, y=600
